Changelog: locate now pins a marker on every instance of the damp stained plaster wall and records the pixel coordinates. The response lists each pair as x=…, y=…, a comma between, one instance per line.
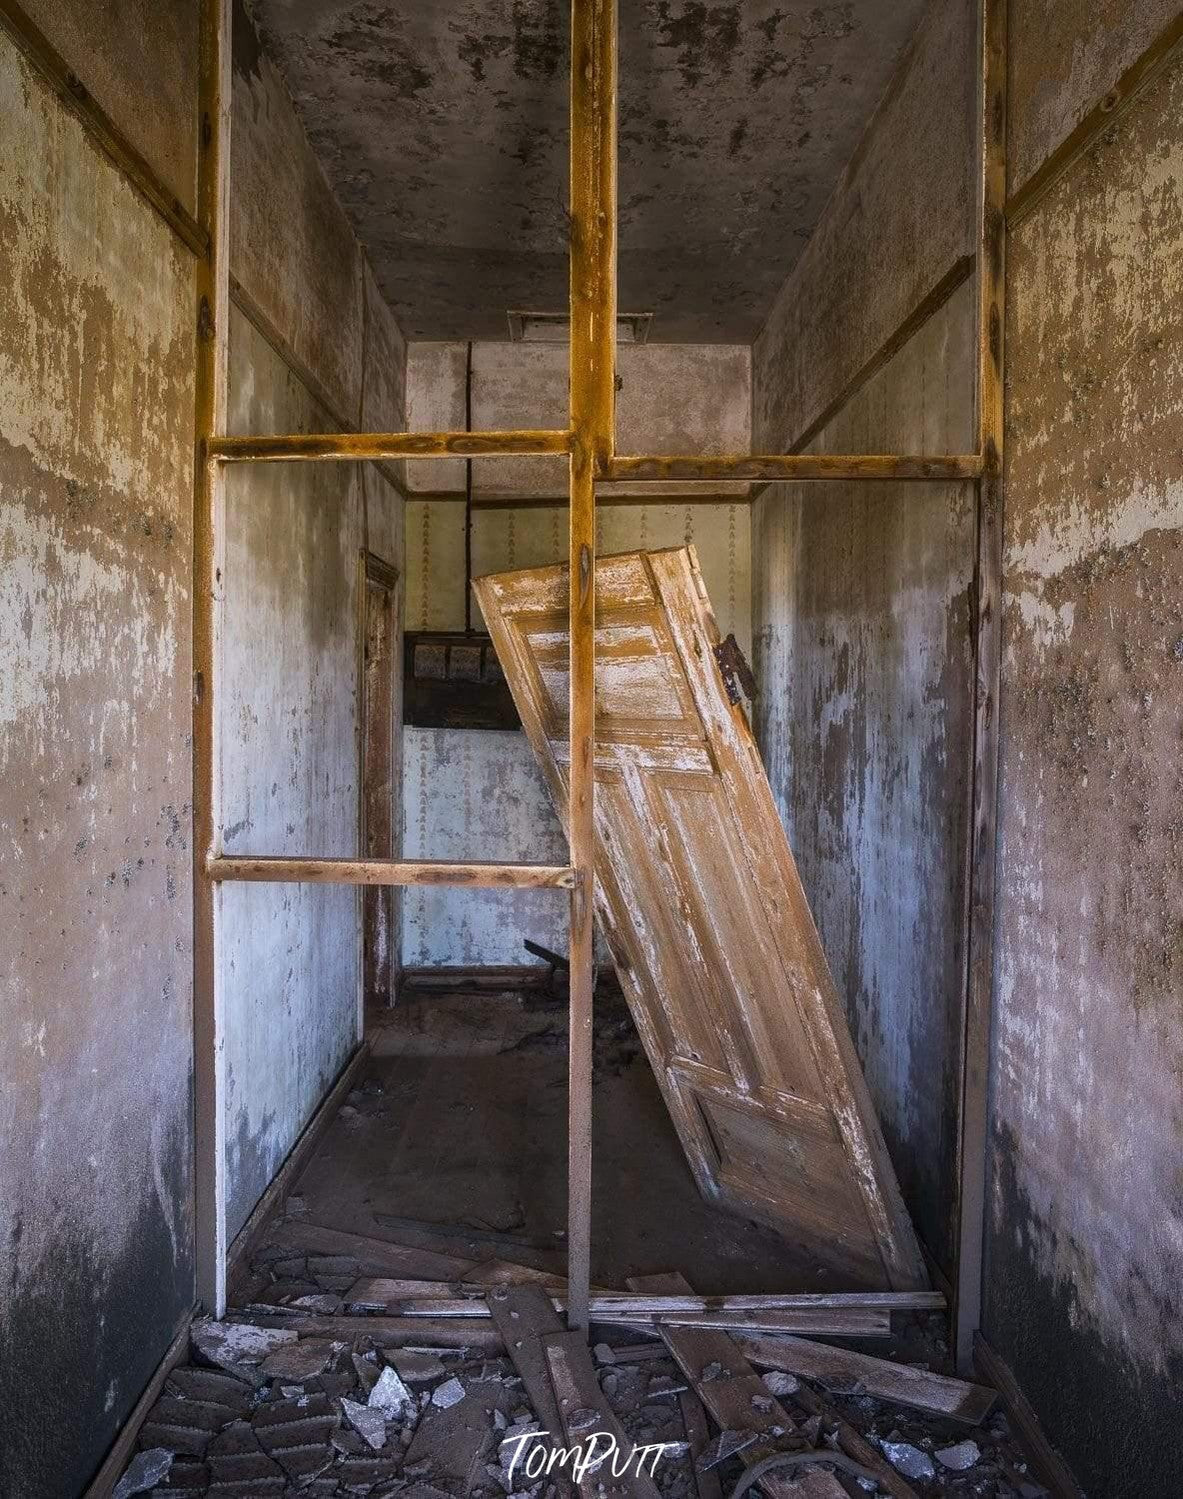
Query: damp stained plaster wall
x=96, y=493
x=860, y=596
x=479, y=794
x=896, y=226
x=1085, y=1233
x=861, y=618
x=289, y=955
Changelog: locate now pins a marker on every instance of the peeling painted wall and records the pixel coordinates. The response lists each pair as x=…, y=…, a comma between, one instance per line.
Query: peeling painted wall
x=900, y=217
x=96, y=425
x=1065, y=55
x=862, y=650
x=1086, y=1210
x=138, y=59
x=479, y=794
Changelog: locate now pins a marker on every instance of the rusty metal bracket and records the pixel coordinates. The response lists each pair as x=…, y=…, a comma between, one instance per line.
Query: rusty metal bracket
x=738, y=677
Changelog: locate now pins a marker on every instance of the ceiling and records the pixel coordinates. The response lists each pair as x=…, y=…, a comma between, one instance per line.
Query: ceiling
x=442, y=125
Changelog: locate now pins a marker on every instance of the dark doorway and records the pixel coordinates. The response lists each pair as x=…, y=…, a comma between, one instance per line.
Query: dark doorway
x=379, y=635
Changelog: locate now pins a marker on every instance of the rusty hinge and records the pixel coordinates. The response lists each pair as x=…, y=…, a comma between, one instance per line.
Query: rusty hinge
x=737, y=674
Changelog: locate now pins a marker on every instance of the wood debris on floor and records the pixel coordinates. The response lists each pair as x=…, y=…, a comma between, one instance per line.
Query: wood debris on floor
x=286, y=1398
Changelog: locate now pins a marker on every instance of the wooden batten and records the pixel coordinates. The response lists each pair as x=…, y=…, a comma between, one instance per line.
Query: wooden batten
x=392, y=872
x=979, y=985
x=211, y=320
x=592, y=422
x=796, y=467
x=372, y=447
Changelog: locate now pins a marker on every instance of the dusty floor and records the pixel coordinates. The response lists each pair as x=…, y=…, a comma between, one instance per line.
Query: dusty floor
x=446, y=1161
x=463, y=1121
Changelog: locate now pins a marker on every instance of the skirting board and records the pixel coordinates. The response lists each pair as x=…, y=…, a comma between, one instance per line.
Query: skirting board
x=285, y=1178
x=124, y=1446
x=1051, y=1468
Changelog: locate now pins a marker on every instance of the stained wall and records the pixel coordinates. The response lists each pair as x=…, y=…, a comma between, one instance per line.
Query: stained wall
x=861, y=600
x=312, y=346
x=96, y=496
x=863, y=655
x=1085, y=1236
x=1084, y=1248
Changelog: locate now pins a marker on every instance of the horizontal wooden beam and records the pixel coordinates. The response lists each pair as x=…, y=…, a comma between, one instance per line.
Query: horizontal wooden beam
x=442, y=1299
x=370, y=447
x=391, y=872
x=795, y=467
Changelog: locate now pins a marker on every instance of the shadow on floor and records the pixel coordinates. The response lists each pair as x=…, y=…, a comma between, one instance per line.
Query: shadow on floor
x=461, y=1120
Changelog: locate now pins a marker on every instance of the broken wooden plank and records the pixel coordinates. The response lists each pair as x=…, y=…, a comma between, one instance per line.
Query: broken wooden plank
x=632, y=1353
x=857, y=1311
x=400, y=1298
x=734, y=1394
x=524, y=1316
x=476, y=1333
x=817, y=1322
x=584, y=1410
x=505, y=1273
x=738, y=1399
x=374, y=1256
x=919, y=1389
x=382, y=1292
x=694, y=1418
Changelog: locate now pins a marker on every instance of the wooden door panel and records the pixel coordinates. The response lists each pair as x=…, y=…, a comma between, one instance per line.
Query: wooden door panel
x=660, y=961
x=755, y=1013
x=700, y=901
x=812, y=1182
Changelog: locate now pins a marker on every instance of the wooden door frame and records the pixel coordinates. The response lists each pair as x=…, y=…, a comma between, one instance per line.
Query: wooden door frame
x=372, y=569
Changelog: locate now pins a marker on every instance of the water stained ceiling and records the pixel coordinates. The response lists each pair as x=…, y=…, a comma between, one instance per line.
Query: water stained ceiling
x=442, y=125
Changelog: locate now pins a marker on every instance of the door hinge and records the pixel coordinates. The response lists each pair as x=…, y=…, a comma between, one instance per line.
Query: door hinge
x=738, y=679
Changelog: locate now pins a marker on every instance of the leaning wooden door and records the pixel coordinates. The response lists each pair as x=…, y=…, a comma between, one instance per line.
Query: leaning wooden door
x=699, y=899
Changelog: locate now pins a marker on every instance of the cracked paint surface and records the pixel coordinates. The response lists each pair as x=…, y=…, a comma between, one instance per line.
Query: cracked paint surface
x=1086, y=1235
x=443, y=129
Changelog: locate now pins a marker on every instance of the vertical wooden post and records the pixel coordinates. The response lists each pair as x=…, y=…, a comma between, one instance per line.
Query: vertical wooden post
x=592, y=394
x=987, y=666
x=212, y=317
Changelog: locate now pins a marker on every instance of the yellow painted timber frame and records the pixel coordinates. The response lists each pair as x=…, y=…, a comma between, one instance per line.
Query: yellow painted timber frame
x=589, y=443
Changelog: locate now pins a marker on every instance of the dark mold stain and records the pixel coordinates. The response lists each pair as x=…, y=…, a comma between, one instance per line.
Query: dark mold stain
x=245, y=50
x=704, y=36
x=1119, y=1423
x=81, y=1335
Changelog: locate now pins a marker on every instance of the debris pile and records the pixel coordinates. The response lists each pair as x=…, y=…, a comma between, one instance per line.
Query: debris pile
x=322, y=1384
